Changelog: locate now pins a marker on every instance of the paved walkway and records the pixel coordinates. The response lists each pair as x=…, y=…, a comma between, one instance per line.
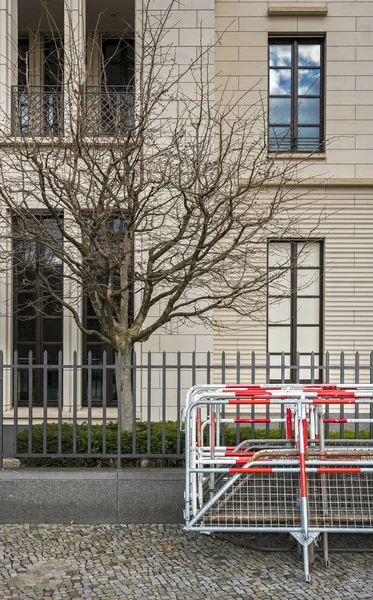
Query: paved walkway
x=142, y=563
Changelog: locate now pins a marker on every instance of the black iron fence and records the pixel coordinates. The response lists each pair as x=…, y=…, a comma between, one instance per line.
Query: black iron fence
x=40, y=110
x=68, y=413
x=37, y=111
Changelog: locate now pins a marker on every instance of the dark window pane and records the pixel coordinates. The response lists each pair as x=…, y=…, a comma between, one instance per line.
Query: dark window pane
x=23, y=48
x=280, y=82
x=280, y=110
x=280, y=55
x=309, y=82
x=309, y=111
x=279, y=139
x=52, y=351
x=52, y=382
x=23, y=353
x=309, y=55
x=26, y=330
x=90, y=309
x=23, y=387
x=52, y=307
x=26, y=304
x=97, y=353
x=52, y=329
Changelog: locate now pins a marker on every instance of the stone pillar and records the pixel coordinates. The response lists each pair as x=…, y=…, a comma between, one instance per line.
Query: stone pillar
x=75, y=58
x=8, y=57
x=35, y=59
x=72, y=336
x=94, y=44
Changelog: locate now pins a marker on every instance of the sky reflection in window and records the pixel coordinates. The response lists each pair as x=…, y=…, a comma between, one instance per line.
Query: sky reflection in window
x=280, y=55
x=308, y=82
x=309, y=55
x=280, y=82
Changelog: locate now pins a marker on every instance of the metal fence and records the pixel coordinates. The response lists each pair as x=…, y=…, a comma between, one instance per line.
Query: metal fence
x=39, y=110
x=50, y=409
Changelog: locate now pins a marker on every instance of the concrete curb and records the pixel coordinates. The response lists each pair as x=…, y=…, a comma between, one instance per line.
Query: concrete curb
x=92, y=496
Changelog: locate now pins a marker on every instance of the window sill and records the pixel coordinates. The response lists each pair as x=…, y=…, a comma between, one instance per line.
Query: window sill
x=297, y=156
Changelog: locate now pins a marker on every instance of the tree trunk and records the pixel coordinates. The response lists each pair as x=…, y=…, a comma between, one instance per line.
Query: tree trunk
x=123, y=378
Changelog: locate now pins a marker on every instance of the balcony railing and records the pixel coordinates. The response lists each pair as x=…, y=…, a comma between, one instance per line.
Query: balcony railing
x=39, y=111
x=109, y=110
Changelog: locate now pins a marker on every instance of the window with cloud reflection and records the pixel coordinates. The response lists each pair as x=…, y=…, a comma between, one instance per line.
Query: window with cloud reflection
x=295, y=95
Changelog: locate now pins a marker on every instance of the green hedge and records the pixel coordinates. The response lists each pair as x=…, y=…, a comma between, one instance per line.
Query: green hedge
x=111, y=444
x=97, y=446
x=126, y=443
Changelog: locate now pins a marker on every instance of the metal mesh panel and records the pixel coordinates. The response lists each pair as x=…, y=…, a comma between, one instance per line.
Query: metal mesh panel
x=37, y=111
x=258, y=500
x=340, y=500
x=108, y=111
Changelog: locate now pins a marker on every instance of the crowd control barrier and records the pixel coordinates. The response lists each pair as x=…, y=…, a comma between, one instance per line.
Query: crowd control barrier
x=303, y=484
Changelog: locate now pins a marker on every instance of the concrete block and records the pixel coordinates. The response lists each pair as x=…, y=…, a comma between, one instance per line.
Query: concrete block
x=156, y=499
x=43, y=496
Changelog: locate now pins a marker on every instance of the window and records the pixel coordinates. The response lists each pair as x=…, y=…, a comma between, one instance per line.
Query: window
x=38, y=317
x=295, y=305
x=110, y=236
x=296, y=94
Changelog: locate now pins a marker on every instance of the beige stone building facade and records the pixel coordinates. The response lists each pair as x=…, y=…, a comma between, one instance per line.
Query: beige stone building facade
x=311, y=65
x=341, y=168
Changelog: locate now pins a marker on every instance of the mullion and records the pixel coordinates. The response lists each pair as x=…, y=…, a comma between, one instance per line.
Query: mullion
x=293, y=304
x=294, y=53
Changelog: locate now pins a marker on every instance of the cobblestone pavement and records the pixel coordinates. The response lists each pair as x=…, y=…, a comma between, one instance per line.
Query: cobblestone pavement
x=146, y=562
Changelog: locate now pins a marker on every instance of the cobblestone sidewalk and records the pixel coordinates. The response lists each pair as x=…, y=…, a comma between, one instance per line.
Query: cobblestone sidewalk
x=146, y=562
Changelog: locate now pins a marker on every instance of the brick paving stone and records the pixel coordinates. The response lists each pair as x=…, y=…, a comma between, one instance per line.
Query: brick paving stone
x=146, y=562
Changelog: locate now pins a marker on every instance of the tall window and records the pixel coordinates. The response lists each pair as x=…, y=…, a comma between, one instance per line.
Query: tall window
x=295, y=304
x=38, y=316
x=110, y=237
x=296, y=95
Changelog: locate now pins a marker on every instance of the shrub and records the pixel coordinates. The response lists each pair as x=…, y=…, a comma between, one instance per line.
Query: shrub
x=126, y=444
x=97, y=445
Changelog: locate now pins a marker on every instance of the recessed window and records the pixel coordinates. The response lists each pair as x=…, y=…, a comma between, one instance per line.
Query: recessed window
x=103, y=389
x=295, y=287
x=295, y=111
x=38, y=315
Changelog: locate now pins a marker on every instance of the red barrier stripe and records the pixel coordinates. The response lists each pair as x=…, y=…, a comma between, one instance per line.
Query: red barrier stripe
x=289, y=425
x=252, y=420
x=342, y=393
x=303, y=484
x=305, y=437
x=335, y=421
x=253, y=470
x=334, y=401
x=233, y=454
x=338, y=470
x=242, y=387
x=249, y=402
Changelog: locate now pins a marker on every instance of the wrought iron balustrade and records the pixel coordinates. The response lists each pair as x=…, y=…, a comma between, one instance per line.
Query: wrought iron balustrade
x=37, y=111
x=108, y=110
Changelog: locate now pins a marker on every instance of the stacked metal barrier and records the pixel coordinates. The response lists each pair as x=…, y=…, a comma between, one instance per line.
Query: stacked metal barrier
x=304, y=485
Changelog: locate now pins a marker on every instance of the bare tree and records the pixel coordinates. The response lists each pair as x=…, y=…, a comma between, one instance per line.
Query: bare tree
x=153, y=200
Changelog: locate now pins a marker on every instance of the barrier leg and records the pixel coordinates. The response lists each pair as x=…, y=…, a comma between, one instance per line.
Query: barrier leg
x=302, y=432
x=324, y=488
x=326, y=549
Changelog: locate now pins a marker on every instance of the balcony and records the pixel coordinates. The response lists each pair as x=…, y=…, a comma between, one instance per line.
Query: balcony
x=39, y=111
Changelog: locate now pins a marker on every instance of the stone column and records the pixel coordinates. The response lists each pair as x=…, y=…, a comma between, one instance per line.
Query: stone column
x=35, y=59
x=75, y=58
x=94, y=44
x=8, y=57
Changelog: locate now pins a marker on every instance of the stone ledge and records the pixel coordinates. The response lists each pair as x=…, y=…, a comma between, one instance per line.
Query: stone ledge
x=303, y=10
